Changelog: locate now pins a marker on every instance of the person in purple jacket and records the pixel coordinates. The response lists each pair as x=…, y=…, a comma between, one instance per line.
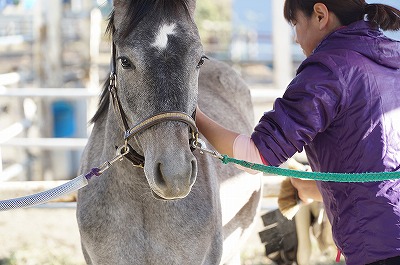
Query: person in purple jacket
x=343, y=108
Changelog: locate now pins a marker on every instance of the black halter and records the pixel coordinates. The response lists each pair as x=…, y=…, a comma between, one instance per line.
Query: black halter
x=136, y=159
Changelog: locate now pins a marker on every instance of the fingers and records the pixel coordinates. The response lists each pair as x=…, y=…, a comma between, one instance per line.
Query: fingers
x=307, y=189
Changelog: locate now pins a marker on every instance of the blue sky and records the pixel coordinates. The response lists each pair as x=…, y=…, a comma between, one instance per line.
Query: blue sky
x=253, y=14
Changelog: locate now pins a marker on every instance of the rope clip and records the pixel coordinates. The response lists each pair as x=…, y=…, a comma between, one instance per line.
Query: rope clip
x=121, y=152
x=202, y=147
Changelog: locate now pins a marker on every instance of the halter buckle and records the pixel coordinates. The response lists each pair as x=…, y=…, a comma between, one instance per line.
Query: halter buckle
x=113, y=78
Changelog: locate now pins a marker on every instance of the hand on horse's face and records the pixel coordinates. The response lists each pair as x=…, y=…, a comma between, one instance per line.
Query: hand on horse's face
x=307, y=190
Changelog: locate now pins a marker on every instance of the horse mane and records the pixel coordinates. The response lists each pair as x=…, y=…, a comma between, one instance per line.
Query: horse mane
x=136, y=11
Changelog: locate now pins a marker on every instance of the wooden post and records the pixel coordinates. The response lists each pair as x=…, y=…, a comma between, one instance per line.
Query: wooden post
x=90, y=35
x=85, y=23
x=39, y=36
x=55, y=164
x=48, y=43
x=94, y=78
x=283, y=62
x=48, y=66
x=54, y=44
x=95, y=39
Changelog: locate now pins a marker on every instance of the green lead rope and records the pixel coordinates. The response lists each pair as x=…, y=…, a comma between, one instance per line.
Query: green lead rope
x=336, y=177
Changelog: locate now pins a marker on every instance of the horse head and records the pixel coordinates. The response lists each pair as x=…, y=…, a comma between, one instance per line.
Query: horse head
x=157, y=55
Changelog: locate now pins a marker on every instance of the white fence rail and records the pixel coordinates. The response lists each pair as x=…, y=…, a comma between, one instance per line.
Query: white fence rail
x=13, y=130
x=47, y=143
x=10, y=137
x=66, y=93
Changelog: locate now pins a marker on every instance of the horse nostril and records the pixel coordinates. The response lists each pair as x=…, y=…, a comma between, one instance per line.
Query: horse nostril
x=159, y=177
x=172, y=180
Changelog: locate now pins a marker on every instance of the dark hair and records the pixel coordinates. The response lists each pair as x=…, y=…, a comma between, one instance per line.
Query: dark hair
x=348, y=11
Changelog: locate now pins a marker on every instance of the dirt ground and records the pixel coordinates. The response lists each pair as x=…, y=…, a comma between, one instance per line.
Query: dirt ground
x=41, y=236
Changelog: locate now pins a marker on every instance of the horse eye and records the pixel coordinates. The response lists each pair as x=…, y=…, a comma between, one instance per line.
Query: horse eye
x=125, y=63
x=201, y=62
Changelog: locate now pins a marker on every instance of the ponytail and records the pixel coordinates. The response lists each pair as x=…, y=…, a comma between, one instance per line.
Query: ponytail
x=386, y=17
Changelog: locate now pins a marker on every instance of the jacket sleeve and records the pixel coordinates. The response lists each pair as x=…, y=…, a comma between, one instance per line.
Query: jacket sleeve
x=308, y=106
x=245, y=149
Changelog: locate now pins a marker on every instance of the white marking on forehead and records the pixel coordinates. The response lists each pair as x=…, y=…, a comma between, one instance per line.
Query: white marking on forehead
x=161, y=40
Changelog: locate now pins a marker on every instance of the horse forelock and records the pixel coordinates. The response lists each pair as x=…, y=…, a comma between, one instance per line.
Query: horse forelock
x=136, y=11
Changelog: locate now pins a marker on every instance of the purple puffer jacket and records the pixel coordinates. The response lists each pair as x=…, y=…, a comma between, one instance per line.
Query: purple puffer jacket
x=343, y=107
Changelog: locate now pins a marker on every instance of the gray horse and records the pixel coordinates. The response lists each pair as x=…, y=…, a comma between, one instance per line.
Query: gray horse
x=182, y=207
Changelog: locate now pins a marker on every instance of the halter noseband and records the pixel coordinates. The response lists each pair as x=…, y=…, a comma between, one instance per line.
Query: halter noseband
x=136, y=159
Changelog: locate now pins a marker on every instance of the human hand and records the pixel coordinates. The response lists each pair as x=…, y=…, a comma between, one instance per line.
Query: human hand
x=307, y=190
